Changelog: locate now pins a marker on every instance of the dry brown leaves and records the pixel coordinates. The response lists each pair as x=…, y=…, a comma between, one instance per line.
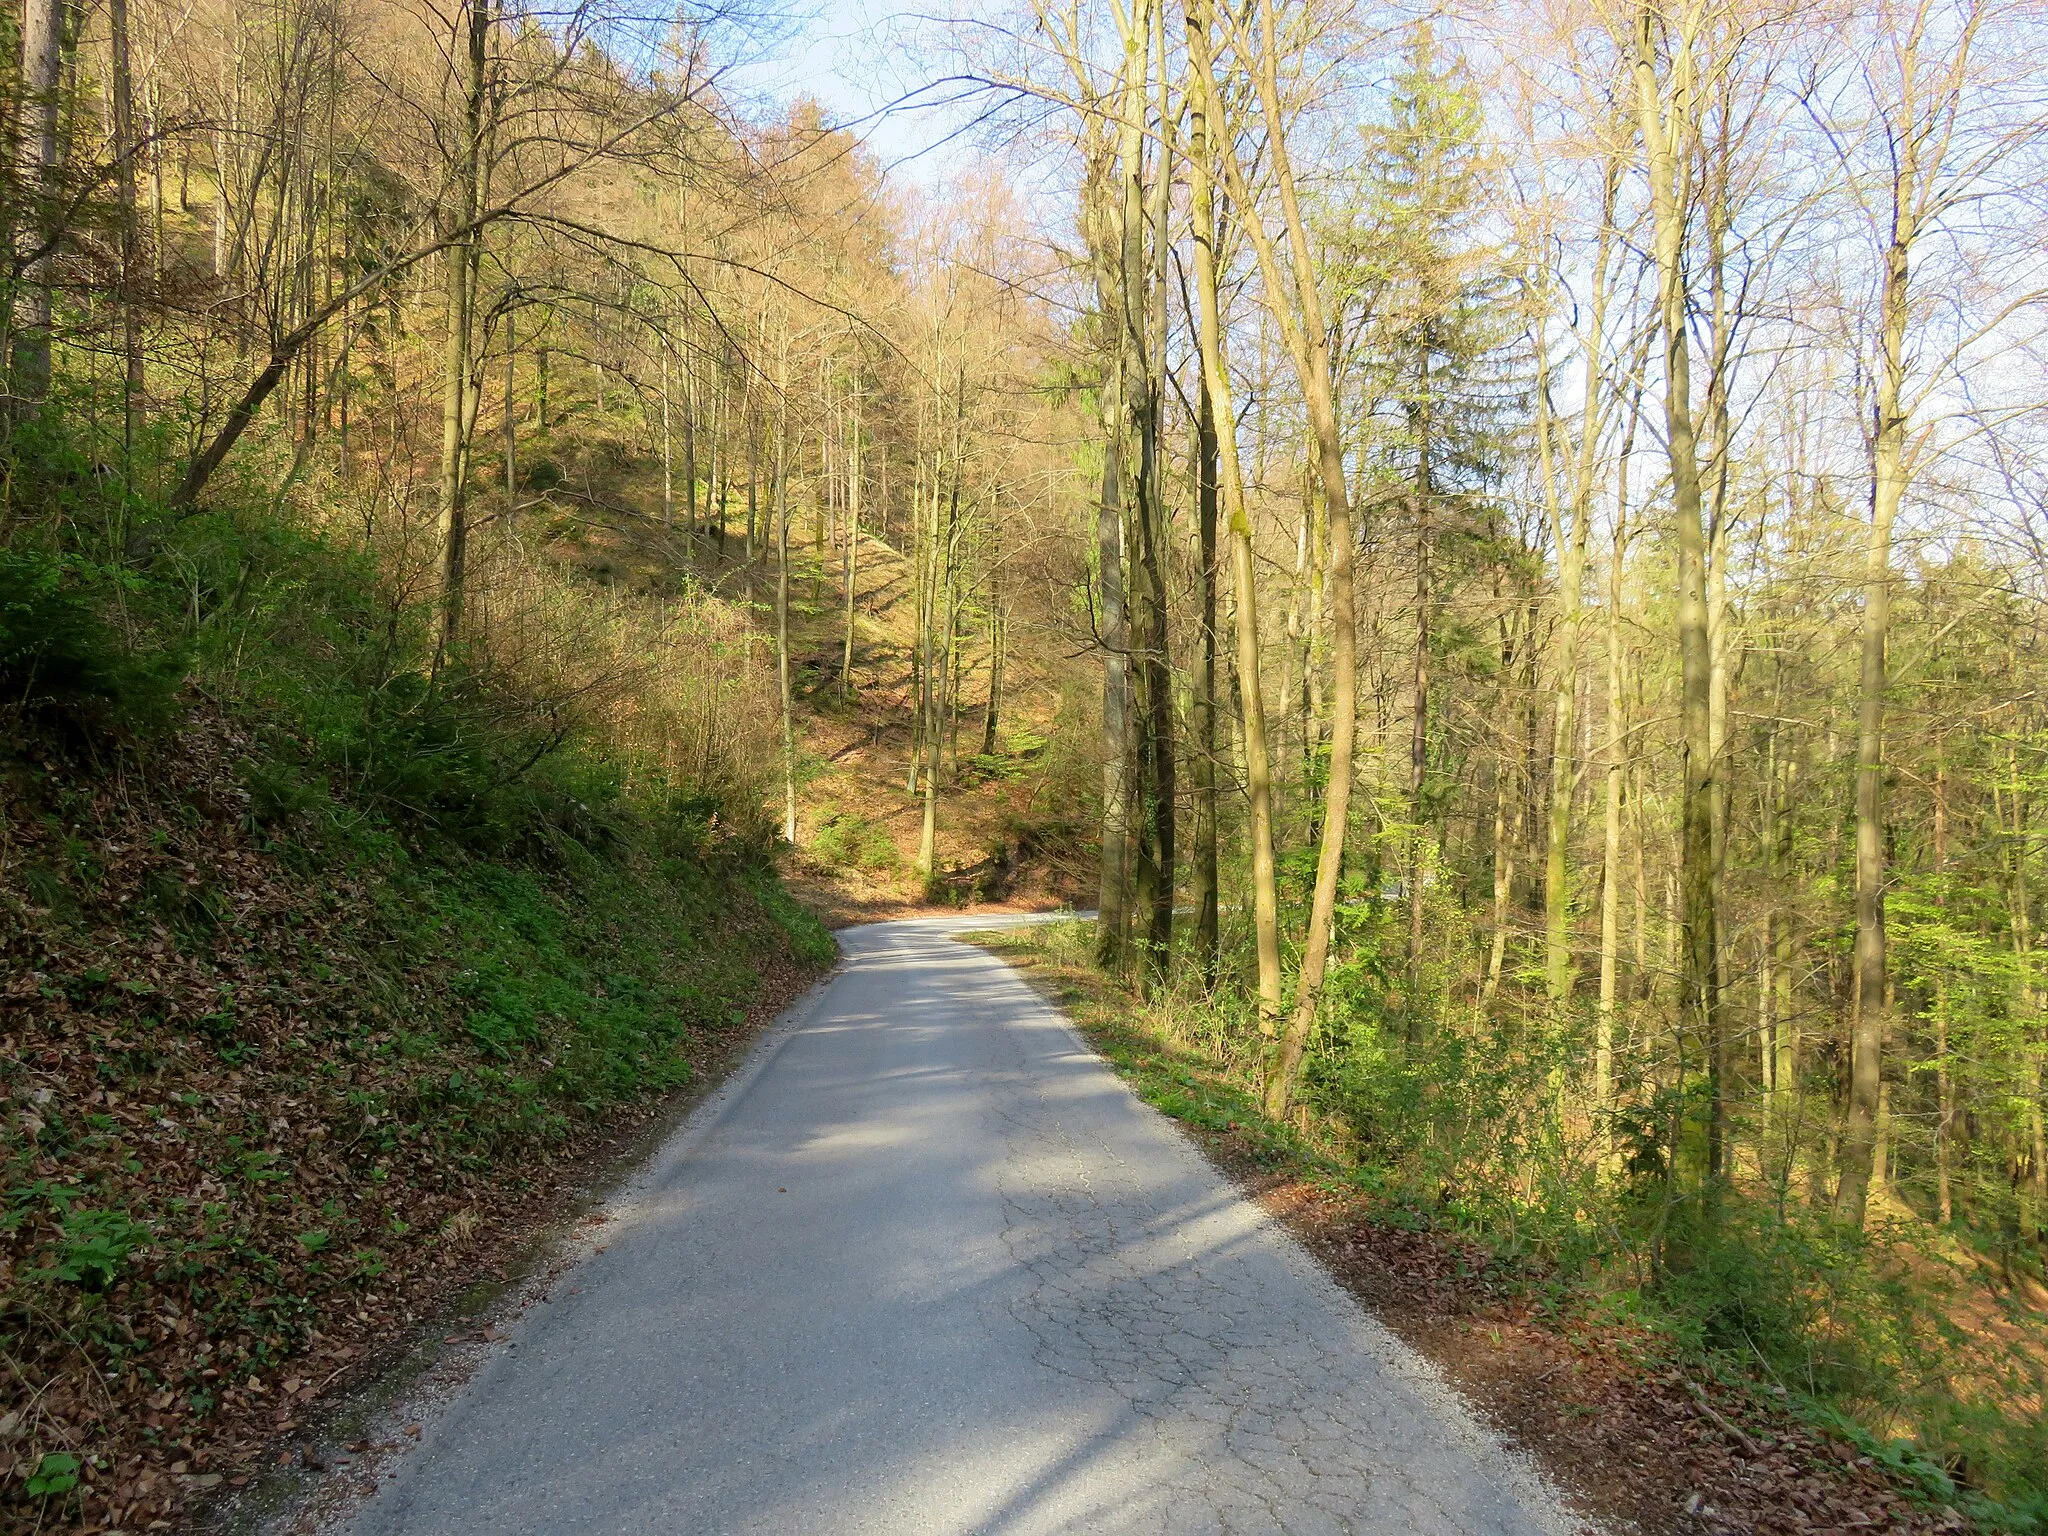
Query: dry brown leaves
x=1603, y=1408
x=234, y=1099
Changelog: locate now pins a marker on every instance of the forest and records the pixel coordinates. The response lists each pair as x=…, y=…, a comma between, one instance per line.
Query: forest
x=1502, y=556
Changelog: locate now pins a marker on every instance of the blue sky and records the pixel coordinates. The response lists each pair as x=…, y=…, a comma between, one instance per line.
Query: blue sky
x=843, y=53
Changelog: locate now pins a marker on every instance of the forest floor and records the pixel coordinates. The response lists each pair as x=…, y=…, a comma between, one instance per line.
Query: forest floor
x=1614, y=1414
x=1002, y=843
x=290, y=1076
x=259, y=1139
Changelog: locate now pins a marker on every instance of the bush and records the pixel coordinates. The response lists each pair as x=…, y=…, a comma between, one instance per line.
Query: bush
x=92, y=1248
x=513, y=745
x=62, y=662
x=1807, y=1302
x=850, y=839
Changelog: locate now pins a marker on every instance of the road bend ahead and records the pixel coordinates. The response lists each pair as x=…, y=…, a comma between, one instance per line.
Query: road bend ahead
x=926, y=1266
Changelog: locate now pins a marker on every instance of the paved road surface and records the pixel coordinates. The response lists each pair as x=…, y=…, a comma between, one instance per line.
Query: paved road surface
x=926, y=1266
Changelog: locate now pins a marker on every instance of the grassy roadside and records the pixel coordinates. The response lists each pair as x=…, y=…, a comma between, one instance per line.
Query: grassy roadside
x=1641, y=1427
x=276, y=1101
x=326, y=972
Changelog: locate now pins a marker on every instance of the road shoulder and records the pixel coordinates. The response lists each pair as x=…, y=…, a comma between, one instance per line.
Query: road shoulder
x=1632, y=1439
x=316, y=1480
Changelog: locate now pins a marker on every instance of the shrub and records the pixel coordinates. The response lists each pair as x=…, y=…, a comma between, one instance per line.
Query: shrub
x=92, y=1247
x=61, y=661
x=850, y=839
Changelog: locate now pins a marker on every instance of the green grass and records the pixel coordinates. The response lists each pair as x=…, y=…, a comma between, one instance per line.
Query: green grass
x=1852, y=1335
x=339, y=952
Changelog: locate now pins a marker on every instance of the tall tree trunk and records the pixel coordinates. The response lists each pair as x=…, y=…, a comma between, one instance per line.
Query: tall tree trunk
x=345, y=363
x=991, y=716
x=718, y=492
x=852, y=561
x=668, y=473
x=821, y=505
x=688, y=362
x=1160, y=792
x=1571, y=554
x=1716, y=216
x=1699, y=977
x=1722, y=1041
x=938, y=659
x=1617, y=785
x=221, y=162
x=457, y=409
x=1784, y=941
x=1206, y=127
x=42, y=52
x=156, y=186
x=1887, y=489
x=1205, y=873
x=1308, y=342
x=1135, y=370
x=752, y=429
x=125, y=151
x=543, y=376
x=511, y=425
x=1944, y=1113
x=918, y=542
x=1571, y=557
x=1112, y=920
x=934, y=689
x=1944, y=1085
x=1610, y=853
x=1418, y=723
x=2033, y=1191
x=452, y=529
x=949, y=649
x=779, y=492
x=1507, y=837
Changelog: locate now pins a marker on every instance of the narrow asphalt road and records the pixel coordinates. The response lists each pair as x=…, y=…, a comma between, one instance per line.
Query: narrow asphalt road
x=925, y=1265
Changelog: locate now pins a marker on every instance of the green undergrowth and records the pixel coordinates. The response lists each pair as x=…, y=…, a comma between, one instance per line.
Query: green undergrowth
x=1172, y=1077
x=1843, y=1328
x=318, y=961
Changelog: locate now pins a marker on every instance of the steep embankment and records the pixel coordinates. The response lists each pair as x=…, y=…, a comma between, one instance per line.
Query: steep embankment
x=314, y=993
x=1005, y=831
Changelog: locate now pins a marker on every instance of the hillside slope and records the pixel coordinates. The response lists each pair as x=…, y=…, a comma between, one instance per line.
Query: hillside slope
x=320, y=979
x=1006, y=830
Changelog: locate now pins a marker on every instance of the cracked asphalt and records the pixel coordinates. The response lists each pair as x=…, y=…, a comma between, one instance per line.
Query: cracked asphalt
x=925, y=1265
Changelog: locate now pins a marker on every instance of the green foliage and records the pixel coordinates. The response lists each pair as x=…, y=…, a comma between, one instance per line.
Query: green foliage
x=1811, y=1304
x=304, y=634
x=1475, y=1123
x=1021, y=741
x=352, y=713
x=57, y=1472
x=1957, y=967
x=988, y=767
x=581, y=988
x=851, y=840
x=62, y=661
x=809, y=938
x=91, y=1248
